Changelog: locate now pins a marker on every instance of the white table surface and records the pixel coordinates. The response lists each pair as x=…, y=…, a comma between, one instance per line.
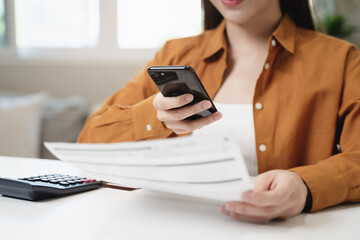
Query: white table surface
x=115, y=214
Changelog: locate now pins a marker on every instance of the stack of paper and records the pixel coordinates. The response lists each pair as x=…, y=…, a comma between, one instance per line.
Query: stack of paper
x=200, y=166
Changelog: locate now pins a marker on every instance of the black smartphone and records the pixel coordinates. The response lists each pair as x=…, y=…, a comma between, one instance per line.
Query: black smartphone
x=173, y=81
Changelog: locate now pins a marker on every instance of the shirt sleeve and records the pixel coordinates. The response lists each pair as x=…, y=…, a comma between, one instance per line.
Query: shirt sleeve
x=337, y=179
x=129, y=114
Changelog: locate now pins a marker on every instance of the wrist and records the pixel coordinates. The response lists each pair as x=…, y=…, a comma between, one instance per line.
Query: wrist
x=306, y=193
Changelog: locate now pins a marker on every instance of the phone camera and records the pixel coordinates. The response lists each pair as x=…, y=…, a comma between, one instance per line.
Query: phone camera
x=154, y=74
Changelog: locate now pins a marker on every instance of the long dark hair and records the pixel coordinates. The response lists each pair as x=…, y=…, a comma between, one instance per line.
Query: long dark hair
x=299, y=11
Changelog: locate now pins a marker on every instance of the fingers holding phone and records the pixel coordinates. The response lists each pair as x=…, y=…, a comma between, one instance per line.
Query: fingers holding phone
x=173, y=112
x=166, y=103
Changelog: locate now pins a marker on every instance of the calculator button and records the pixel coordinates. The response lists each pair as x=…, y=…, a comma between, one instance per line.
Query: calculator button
x=31, y=179
x=89, y=180
x=44, y=180
x=24, y=178
x=78, y=181
x=72, y=182
x=64, y=183
x=54, y=181
x=36, y=179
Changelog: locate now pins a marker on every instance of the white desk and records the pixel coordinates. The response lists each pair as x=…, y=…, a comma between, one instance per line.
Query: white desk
x=115, y=214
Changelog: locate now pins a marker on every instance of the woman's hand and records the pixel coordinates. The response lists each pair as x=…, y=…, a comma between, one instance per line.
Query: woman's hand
x=174, y=118
x=277, y=194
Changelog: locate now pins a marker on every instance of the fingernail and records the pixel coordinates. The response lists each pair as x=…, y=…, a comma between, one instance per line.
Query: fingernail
x=230, y=207
x=206, y=105
x=217, y=116
x=189, y=98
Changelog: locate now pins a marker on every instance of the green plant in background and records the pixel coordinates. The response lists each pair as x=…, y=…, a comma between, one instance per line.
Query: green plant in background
x=2, y=23
x=336, y=25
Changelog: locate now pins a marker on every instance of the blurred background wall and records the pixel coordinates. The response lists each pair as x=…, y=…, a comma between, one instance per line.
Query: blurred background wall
x=89, y=48
x=351, y=10
x=94, y=82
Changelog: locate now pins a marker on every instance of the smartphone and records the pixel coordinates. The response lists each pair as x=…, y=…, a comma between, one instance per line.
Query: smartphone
x=173, y=81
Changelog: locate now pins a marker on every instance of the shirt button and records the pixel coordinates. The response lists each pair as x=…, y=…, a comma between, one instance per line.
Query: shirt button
x=258, y=106
x=148, y=127
x=273, y=43
x=267, y=66
x=262, y=147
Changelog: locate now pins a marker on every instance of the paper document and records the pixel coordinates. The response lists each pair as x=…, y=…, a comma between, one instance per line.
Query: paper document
x=199, y=166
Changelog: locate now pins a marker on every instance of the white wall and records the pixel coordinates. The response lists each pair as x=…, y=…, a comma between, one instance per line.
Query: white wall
x=94, y=82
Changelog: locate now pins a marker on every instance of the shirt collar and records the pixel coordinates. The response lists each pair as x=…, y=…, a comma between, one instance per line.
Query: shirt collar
x=216, y=42
x=284, y=34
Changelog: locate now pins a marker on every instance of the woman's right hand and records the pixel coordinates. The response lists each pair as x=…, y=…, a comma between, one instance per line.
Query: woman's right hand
x=174, y=118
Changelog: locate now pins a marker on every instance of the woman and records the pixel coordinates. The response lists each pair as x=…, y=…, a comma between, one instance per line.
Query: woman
x=304, y=91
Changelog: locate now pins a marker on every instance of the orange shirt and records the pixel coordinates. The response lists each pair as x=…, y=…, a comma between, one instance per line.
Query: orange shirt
x=306, y=104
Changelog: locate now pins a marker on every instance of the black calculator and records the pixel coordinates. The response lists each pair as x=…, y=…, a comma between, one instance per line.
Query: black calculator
x=46, y=186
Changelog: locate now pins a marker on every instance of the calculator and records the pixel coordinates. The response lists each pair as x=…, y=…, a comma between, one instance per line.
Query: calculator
x=46, y=186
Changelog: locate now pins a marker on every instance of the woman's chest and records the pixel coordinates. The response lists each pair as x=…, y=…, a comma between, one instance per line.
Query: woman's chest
x=239, y=81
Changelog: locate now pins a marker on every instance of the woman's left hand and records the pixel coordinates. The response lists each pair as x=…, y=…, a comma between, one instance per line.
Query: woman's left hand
x=277, y=194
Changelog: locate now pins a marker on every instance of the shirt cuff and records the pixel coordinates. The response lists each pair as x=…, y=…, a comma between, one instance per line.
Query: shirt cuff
x=145, y=122
x=326, y=185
